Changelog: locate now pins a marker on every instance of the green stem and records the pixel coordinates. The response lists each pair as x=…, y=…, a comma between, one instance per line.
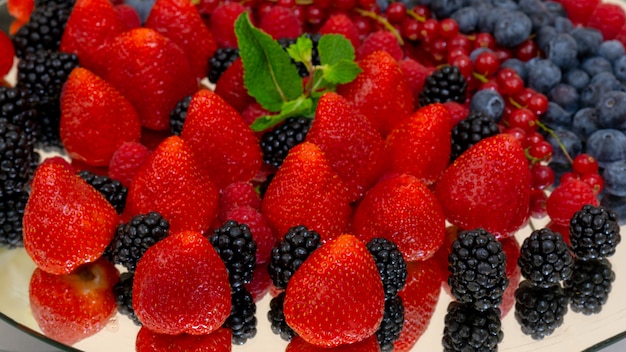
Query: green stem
x=558, y=140
x=388, y=26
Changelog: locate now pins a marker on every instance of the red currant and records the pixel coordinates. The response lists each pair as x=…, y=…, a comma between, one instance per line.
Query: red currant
x=524, y=119
x=460, y=41
x=542, y=176
x=421, y=11
x=285, y=3
x=448, y=28
x=541, y=150
x=484, y=40
x=429, y=31
x=585, y=164
x=509, y=81
x=538, y=103
x=323, y=4
x=568, y=176
x=396, y=12
x=345, y=5
x=363, y=25
x=366, y=4
x=518, y=133
x=315, y=15
x=534, y=138
x=538, y=200
x=486, y=63
x=595, y=181
x=527, y=50
x=464, y=64
x=410, y=29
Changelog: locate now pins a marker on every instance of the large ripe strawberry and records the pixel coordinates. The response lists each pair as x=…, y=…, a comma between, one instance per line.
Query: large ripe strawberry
x=402, y=209
x=172, y=183
x=95, y=118
x=298, y=344
x=150, y=341
x=181, y=286
x=488, y=186
x=336, y=284
x=420, y=145
x=180, y=21
x=380, y=92
x=307, y=191
x=353, y=147
x=91, y=25
x=225, y=147
x=67, y=222
x=152, y=72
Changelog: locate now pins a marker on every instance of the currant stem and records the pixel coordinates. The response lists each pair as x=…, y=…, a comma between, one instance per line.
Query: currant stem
x=558, y=140
x=383, y=21
x=415, y=16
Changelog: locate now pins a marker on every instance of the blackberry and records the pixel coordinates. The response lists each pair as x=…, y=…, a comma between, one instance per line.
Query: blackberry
x=594, y=232
x=16, y=153
x=471, y=130
x=123, y=291
x=277, y=142
x=113, y=190
x=276, y=317
x=44, y=29
x=468, y=329
x=390, y=263
x=220, y=61
x=589, y=287
x=287, y=256
x=538, y=310
x=11, y=215
x=242, y=320
x=19, y=107
x=235, y=245
x=315, y=57
x=443, y=85
x=477, y=266
x=178, y=115
x=545, y=259
x=133, y=239
x=391, y=325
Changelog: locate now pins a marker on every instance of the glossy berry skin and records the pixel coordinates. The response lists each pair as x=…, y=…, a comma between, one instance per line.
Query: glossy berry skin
x=594, y=232
x=545, y=258
x=150, y=341
x=8, y=53
x=540, y=311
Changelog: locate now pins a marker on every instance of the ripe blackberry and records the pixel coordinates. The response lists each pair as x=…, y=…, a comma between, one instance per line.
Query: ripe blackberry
x=242, y=320
x=468, y=329
x=114, y=192
x=276, y=317
x=391, y=326
x=277, y=142
x=44, y=29
x=443, y=85
x=220, y=61
x=19, y=107
x=16, y=153
x=315, y=57
x=589, y=287
x=477, y=266
x=123, y=291
x=538, y=310
x=11, y=215
x=287, y=256
x=594, y=232
x=545, y=258
x=235, y=245
x=178, y=115
x=390, y=263
x=471, y=130
x=133, y=239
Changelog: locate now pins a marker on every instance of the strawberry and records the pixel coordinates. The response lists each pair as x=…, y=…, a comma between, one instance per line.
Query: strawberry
x=402, y=209
x=181, y=286
x=261, y=231
x=171, y=183
x=457, y=111
x=421, y=144
x=380, y=40
x=126, y=160
x=69, y=308
x=231, y=88
x=20, y=9
x=90, y=27
x=353, y=147
x=8, y=54
x=180, y=21
x=380, y=92
x=67, y=222
x=306, y=191
x=95, y=118
x=150, y=341
x=297, y=344
x=225, y=146
x=488, y=186
x=281, y=22
x=223, y=23
x=152, y=72
x=568, y=198
x=128, y=15
x=341, y=24
x=337, y=283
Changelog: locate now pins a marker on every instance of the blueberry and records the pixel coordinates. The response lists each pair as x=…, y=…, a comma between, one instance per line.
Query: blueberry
x=142, y=7
x=614, y=176
x=611, y=50
x=590, y=95
x=585, y=122
x=573, y=145
x=612, y=110
x=467, y=18
x=518, y=65
x=531, y=6
x=544, y=36
x=506, y=4
x=564, y=95
x=543, y=75
x=556, y=117
x=555, y=8
x=563, y=50
x=576, y=78
x=619, y=68
x=444, y=8
x=382, y=4
x=488, y=102
x=563, y=24
x=588, y=39
x=607, y=146
x=617, y=204
x=512, y=29
x=596, y=64
x=488, y=20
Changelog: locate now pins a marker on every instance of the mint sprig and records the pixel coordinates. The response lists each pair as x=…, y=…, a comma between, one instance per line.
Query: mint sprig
x=272, y=79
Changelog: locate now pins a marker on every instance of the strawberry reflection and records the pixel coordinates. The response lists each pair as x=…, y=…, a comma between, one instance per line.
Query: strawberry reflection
x=217, y=341
x=69, y=308
x=370, y=344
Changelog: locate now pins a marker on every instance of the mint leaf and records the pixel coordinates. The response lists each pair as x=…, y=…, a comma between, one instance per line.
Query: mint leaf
x=269, y=75
x=301, y=50
x=341, y=72
x=302, y=106
x=333, y=48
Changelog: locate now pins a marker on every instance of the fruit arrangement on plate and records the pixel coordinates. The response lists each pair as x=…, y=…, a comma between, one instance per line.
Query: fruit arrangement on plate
x=345, y=158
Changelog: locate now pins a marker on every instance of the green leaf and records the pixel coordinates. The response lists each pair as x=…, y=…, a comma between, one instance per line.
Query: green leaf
x=341, y=72
x=269, y=75
x=302, y=106
x=301, y=50
x=333, y=48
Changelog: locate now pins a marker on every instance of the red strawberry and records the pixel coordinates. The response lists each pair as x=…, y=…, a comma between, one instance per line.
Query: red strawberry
x=380, y=92
x=128, y=15
x=126, y=160
x=225, y=146
x=608, y=19
x=90, y=27
x=261, y=231
x=281, y=22
x=67, y=222
x=297, y=344
x=223, y=23
x=217, y=341
x=457, y=111
x=341, y=24
x=60, y=161
x=150, y=71
x=337, y=283
x=307, y=191
x=353, y=147
x=415, y=74
x=402, y=209
x=20, y=9
x=180, y=21
x=420, y=145
x=95, y=118
x=69, y=308
x=181, y=286
x=380, y=40
x=488, y=186
x=8, y=54
x=171, y=183
x=568, y=198
x=238, y=194
x=231, y=88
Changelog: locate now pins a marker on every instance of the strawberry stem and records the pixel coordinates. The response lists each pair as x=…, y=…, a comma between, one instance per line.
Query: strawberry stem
x=388, y=26
x=558, y=140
